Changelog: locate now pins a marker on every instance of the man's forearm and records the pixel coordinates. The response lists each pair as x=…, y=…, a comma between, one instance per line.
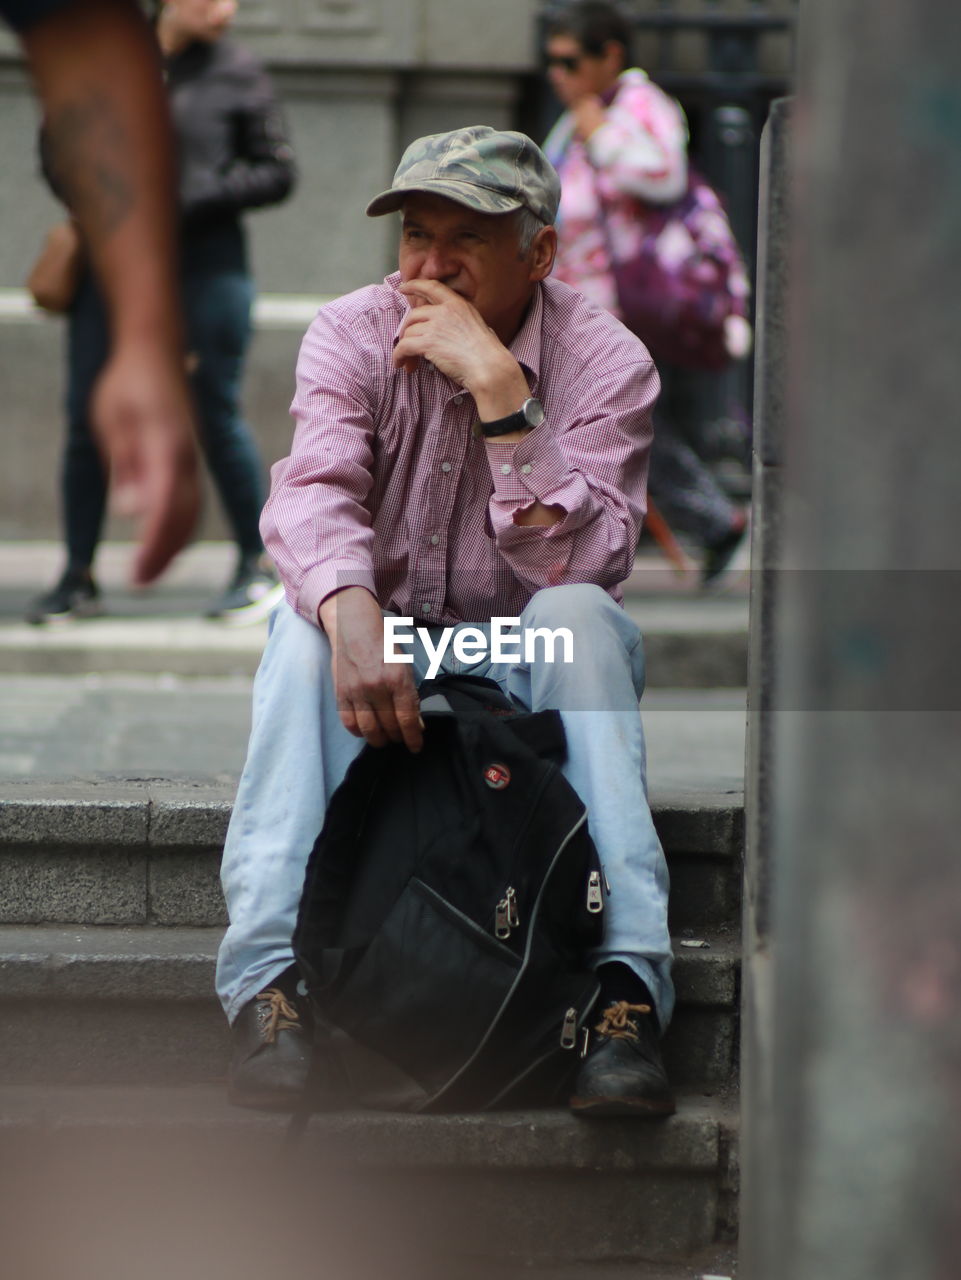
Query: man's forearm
x=97, y=72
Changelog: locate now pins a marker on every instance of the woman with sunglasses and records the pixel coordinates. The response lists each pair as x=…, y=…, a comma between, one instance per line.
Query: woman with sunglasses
x=621, y=139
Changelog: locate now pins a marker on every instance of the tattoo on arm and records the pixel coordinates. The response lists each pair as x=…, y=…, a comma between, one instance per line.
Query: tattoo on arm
x=88, y=145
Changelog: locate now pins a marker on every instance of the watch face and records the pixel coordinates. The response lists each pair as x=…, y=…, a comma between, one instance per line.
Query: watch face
x=533, y=412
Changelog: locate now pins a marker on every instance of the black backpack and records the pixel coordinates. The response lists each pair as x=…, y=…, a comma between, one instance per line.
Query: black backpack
x=447, y=908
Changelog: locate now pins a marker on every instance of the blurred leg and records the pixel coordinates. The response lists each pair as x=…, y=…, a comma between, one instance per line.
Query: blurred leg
x=217, y=308
x=83, y=477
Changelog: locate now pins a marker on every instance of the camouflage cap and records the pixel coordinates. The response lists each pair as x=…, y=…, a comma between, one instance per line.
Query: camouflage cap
x=493, y=171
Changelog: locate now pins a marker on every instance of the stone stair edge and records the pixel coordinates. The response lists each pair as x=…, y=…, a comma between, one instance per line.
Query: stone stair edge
x=175, y=813
x=159, y=635
x=175, y=963
x=549, y=1139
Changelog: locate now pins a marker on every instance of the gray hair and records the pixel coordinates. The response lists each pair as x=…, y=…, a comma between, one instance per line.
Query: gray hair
x=527, y=225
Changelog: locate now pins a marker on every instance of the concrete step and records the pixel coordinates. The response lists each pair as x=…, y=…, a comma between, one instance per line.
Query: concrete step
x=101, y=1004
x=111, y=910
x=681, y=650
x=144, y=851
x=691, y=640
x=163, y=726
x=372, y=1194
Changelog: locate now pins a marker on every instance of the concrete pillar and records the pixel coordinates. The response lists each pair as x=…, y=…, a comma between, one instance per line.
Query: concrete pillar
x=859, y=1176
x=769, y=428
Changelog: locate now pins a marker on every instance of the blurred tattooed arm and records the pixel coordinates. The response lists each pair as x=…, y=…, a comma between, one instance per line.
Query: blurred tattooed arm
x=97, y=73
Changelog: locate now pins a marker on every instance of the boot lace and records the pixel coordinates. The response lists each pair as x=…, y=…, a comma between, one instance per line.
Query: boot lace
x=615, y=1023
x=276, y=1013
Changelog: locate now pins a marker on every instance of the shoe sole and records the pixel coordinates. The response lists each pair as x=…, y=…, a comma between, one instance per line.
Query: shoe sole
x=639, y=1108
x=61, y=619
x=257, y=611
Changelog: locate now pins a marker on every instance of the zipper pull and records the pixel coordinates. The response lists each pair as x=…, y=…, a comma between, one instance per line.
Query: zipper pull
x=513, y=919
x=595, y=900
x=502, y=924
x=569, y=1030
x=586, y=1041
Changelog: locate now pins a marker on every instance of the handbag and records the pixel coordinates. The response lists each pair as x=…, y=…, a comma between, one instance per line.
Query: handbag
x=677, y=291
x=55, y=275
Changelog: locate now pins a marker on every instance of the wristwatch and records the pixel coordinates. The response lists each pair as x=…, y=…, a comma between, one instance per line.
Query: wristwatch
x=530, y=414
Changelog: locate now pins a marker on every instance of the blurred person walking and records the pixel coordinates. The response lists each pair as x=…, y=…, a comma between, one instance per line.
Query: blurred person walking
x=233, y=155
x=96, y=70
x=620, y=146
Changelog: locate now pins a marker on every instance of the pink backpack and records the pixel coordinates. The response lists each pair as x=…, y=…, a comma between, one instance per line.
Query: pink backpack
x=679, y=289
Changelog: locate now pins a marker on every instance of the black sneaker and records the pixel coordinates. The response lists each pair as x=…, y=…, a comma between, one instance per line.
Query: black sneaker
x=76, y=595
x=623, y=1074
x=252, y=595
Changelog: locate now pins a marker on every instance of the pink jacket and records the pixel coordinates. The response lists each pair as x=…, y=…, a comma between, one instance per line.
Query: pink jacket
x=639, y=152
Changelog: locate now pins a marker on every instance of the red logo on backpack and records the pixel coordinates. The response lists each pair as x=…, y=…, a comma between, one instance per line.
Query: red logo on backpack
x=497, y=776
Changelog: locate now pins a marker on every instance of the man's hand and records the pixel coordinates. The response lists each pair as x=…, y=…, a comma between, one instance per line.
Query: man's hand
x=143, y=419
x=447, y=330
x=377, y=700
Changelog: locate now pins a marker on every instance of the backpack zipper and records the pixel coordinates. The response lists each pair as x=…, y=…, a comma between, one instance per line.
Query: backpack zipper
x=535, y=910
x=569, y=1029
x=507, y=908
x=595, y=898
x=587, y=1005
x=506, y=915
x=513, y=918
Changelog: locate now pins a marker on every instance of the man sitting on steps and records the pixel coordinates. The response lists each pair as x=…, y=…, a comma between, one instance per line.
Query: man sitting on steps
x=471, y=443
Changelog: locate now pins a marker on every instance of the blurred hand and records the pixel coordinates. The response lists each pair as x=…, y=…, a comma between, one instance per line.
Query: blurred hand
x=589, y=115
x=143, y=418
x=738, y=337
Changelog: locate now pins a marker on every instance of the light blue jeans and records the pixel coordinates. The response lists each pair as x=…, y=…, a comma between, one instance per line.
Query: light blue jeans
x=299, y=751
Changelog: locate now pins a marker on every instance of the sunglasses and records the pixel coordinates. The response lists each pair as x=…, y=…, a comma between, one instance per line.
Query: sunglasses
x=569, y=62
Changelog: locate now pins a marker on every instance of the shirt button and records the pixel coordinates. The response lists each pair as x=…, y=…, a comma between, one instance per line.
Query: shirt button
x=434, y=539
x=506, y=469
x=445, y=466
x=526, y=468
x=425, y=608
x=458, y=399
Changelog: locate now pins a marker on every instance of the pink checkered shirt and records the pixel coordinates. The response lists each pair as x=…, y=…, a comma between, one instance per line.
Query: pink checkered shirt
x=386, y=486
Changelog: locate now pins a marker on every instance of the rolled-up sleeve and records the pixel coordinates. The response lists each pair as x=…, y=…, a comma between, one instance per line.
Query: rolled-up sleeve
x=592, y=466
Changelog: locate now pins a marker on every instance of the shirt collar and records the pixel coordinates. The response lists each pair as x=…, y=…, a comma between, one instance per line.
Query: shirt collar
x=526, y=346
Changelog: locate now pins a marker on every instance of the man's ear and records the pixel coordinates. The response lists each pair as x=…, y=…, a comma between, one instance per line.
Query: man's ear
x=543, y=252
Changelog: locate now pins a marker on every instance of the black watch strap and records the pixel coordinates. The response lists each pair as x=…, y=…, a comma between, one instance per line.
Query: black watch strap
x=529, y=415
x=503, y=426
